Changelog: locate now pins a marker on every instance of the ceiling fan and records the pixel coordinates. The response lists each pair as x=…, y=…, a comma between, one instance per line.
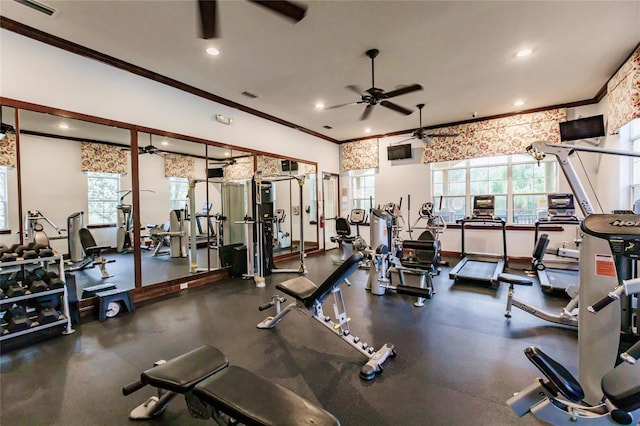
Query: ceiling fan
x=223, y=163
x=375, y=95
x=149, y=149
x=209, y=14
x=421, y=133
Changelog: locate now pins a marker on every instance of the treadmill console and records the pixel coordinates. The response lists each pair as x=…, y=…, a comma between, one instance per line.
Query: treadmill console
x=561, y=207
x=357, y=216
x=483, y=207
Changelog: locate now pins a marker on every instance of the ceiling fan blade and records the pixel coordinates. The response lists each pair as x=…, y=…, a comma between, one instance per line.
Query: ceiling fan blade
x=355, y=89
x=396, y=107
x=366, y=113
x=342, y=105
x=208, y=19
x=402, y=91
x=405, y=140
x=287, y=9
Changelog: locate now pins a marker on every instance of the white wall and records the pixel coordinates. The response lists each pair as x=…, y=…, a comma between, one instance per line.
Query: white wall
x=78, y=84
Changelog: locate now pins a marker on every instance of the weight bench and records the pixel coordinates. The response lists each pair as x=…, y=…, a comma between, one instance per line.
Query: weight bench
x=93, y=254
x=310, y=297
x=228, y=394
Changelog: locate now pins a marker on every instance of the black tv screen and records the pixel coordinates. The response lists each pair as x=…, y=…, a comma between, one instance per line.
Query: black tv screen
x=289, y=166
x=399, y=152
x=582, y=128
x=217, y=172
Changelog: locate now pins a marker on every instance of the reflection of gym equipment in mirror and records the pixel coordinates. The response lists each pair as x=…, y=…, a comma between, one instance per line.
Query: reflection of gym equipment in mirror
x=172, y=235
x=81, y=241
x=261, y=249
x=283, y=239
x=34, y=230
x=124, y=236
x=350, y=244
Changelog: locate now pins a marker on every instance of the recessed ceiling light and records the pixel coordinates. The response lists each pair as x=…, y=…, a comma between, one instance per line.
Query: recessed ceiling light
x=367, y=130
x=524, y=52
x=63, y=126
x=226, y=154
x=165, y=143
x=213, y=51
x=319, y=105
x=519, y=102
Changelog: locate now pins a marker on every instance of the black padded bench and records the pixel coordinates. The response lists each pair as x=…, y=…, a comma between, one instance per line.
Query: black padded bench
x=212, y=389
x=310, y=296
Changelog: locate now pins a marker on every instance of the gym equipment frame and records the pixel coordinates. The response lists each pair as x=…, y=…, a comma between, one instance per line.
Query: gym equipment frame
x=310, y=297
x=606, y=237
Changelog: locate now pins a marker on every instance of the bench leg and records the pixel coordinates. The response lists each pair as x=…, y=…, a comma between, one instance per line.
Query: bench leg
x=152, y=407
x=271, y=321
x=374, y=365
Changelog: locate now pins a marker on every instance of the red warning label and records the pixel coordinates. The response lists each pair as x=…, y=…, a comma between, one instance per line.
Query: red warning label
x=605, y=266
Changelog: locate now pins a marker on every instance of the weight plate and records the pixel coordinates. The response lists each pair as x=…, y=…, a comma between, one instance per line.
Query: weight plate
x=113, y=309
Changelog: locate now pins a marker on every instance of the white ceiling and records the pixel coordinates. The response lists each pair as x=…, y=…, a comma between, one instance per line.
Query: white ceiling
x=462, y=53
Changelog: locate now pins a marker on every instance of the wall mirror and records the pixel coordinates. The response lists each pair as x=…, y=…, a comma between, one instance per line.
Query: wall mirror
x=9, y=215
x=191, y=195
x=292, y=205
x=71, y=173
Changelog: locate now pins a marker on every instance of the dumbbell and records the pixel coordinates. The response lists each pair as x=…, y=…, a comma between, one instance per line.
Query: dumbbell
x=17, y=319
x=53, y=280
x=21, y=249
x=35, y=284
x=14, y=289
x=43, y=250
x=47, y=314
x=8, y=256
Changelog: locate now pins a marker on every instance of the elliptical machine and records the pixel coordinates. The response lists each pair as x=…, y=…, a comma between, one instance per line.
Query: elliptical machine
x=284, y=238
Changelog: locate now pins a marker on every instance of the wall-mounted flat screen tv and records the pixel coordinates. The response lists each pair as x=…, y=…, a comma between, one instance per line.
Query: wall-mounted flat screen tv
x=582, y=128
x=399, y=152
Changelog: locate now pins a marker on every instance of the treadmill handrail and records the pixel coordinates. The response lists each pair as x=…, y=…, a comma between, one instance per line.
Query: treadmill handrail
x=497, y=221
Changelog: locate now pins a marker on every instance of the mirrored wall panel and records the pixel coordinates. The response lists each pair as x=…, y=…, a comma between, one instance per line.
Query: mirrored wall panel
x=72, y=174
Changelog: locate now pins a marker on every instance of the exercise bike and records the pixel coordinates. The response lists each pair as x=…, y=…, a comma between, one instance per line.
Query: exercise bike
x=350, y=244
x=561, y=398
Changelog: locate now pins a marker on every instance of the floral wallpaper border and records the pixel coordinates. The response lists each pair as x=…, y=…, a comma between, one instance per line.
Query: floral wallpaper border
x=242, y=169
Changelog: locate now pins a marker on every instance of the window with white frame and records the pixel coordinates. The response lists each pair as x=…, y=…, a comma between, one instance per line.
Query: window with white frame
x=4, y=213
x=362, y=187
x=520, y=186
x=178, y=190
x=103, y=199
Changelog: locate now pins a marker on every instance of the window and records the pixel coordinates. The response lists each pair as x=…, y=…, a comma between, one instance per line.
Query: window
x=103, y=197
x=3, y=199
x=178, y=190
x=519, y=184
x=362, y=185
x=311, y=181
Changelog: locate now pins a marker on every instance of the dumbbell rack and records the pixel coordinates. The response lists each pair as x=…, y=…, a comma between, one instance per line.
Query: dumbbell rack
x=8, y=267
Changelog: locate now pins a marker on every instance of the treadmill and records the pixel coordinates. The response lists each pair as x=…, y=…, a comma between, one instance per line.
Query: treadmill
x=481, y=267
x=561, y=211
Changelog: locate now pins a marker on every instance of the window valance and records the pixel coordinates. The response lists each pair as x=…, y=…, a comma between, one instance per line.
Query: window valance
x=359, y=155
x=181, y=166
x=500, y=136
x=8, y=150
x=269, y=166
x=623, y=94
x=103, y=158
x=242, y=169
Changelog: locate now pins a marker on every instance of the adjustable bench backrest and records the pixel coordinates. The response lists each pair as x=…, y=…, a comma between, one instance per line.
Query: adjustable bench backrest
x=321, y=292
